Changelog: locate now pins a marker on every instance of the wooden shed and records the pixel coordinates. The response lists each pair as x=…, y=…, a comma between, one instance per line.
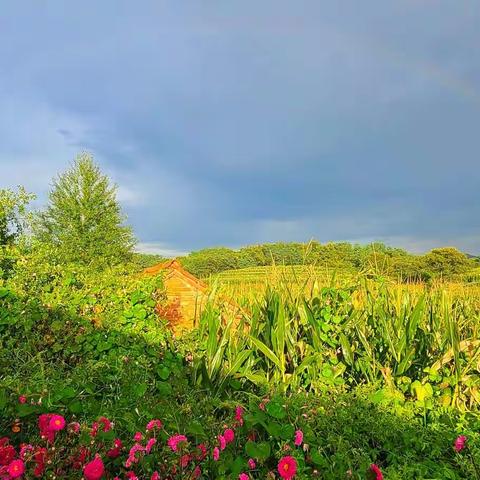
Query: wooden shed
x=186, y=295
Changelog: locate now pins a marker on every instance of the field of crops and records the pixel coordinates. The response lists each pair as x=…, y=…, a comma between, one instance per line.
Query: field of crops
x=247, y=283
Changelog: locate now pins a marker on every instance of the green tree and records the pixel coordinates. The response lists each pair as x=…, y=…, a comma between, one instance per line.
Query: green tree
x=83, y=219
x=447, y=261
x=13, y=223
x=13, y=214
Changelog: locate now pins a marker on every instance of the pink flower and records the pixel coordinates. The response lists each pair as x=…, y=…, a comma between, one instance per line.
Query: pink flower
x=185, y=460
x=116, y=450
x=175, y=440
x=298, y=438
x=16, y=468
x=137, y=447
x=460, y=443
x=154, y=424
x=251, y=464
x=150, y=444
x=229, y=435
x=263, y=404
x=138, y=437
x=56, y=423
x=131, y=475
x=107, y=424
x=203, y=451
x=222, y=442
x=22, y=399
x=95, y=469
x=43, y=426
x=74, y=427
x=216, y=454
x=94, y=430
x=239, y=414
x=197, y=472
x=113, y=453
x=155, y=476
x=375, y=472
x=287, y=467
x=24, y=450
x=243, y=476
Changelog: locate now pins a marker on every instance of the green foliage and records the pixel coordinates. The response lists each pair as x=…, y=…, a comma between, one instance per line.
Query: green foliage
x=375, y=259
x=145, y=260
x=83, y=220
x=13, y=214
x=13, y=223
x=447, y=261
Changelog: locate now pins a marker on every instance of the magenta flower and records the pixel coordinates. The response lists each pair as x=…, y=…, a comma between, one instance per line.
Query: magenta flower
x=138, y=437
x=229, y=435
x=243, y=476
x=239, y=414
x=95, y=469
x=460, y=443
x=222, y=442
x=175, y=440
x=154, y=424
x=298, y=438
x=16, y=468
x=150, y=444
x=107, y=424
x=251, y=464
x=216, y=454
x=56, y=423
x=287, y=467
x=375, y=473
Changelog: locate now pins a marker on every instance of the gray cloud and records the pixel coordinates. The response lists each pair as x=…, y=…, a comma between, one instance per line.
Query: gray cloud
x=256, y=121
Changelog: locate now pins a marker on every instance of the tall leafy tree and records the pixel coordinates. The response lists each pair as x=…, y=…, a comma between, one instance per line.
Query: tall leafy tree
x=83, y=219
x=14, y=218
x=13, y=214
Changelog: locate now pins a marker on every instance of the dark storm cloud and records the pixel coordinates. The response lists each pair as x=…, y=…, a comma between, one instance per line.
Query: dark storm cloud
x=254, y=121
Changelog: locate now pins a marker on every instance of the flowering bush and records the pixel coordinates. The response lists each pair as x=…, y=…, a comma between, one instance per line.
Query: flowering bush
x=72, y=450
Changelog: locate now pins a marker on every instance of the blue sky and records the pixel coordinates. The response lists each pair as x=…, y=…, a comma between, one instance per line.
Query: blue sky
x=237, y=122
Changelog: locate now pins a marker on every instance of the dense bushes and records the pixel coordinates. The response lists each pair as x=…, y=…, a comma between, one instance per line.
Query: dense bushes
x=86, y=344
x=335, y=437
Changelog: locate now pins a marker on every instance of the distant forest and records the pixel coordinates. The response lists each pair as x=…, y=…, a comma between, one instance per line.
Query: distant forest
x=372, y=258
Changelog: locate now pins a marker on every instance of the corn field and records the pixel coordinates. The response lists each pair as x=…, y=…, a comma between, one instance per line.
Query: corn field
x=305, y=333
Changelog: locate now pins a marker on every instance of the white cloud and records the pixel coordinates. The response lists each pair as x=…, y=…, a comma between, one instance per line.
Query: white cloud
x=159, y=248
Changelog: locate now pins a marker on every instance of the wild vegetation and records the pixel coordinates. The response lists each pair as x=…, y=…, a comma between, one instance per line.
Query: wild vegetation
x=330, y=365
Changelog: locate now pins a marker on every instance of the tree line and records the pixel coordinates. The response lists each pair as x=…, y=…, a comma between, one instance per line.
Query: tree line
x=374, y=258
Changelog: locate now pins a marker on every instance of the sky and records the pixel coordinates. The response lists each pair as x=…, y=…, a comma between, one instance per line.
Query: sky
x=240, y=122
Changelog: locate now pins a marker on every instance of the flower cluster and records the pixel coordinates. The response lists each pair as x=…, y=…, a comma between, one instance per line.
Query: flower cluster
x=94, y=452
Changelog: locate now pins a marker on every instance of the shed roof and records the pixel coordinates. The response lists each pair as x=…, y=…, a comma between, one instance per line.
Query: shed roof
x=174, y=267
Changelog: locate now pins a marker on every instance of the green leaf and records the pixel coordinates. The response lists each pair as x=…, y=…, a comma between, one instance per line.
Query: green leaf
x=196, y=428
x=76, y=407
x=276, y=410
x=140, y=389
x=164, y=388
x=163, y=372
x=259, y=451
